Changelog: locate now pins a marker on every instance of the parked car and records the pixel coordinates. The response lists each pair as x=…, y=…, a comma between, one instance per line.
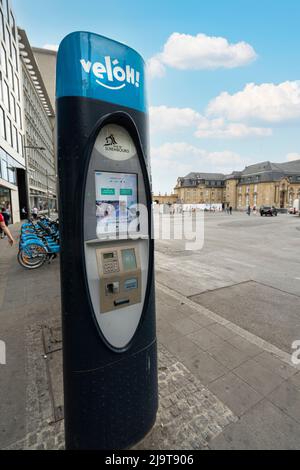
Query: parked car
x=268, y=210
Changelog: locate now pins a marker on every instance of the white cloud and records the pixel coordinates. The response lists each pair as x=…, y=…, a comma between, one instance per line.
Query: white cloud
x=51, y=47
x=166, y=119
x=220, y=129
x=267, y=102
x=187, y=52
x=173, y=159
x=224, y=159
x=163, y=118
x=171, y=151
x=155, y=68
x=293, y=156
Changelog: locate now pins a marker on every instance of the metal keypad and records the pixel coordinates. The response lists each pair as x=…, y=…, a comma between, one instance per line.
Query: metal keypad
x=111, y=267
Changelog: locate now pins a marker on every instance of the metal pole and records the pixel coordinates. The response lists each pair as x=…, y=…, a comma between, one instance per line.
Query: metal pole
x=27, y=177
x=47, y=176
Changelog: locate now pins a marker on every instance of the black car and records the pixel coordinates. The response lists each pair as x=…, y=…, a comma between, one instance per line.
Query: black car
x=268, y=210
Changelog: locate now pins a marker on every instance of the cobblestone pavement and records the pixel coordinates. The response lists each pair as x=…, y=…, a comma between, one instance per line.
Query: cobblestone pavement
x=221, y=386
x=189, y=416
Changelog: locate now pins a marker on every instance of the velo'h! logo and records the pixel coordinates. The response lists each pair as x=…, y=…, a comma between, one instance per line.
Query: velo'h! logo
x=110, y=74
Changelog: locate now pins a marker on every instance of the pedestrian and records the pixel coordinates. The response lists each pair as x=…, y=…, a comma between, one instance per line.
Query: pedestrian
x=249, y=210
x=230, y=210
x=24, y=213
x=5, y=229
x=35, y=212
x=5, y=215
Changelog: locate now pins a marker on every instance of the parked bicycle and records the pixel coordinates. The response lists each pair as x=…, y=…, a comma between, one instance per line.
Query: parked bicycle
x=39, y=242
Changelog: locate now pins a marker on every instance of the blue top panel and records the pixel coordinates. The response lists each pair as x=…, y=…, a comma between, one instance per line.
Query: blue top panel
x=96, y=67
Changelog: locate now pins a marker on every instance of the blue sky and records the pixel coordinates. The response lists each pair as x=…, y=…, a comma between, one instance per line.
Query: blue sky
x=194, y=125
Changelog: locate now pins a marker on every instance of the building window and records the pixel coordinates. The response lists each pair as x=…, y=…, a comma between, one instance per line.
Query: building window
x=10, y=74
x=8, y=42
x=13, y=107
x=15, y=139
x=2, y=124
x=15, y=58
x=4, y=174
x=5, y=9
x=20, y=144
x=1, y=87
x=13, y=24
x=9, y=132
x=6, y=96
x=19, y=117
x=2, y=26
x=17, y=88
x=3, y=60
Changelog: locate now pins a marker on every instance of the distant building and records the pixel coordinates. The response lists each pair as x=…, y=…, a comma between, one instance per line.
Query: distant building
x=12, y=161
x=260, y=184
x=39, y=132
x=46, y=60
x=200, y=188
x=165, y=199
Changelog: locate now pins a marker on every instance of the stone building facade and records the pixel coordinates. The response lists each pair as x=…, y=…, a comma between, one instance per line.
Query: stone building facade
x=266, y=183
x=165, y=199
x=200, y=188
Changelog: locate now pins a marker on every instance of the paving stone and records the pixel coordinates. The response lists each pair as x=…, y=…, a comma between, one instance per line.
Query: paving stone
x=221, y=331
x=287, y=398
x=274, y=364
x=228, y=355
x=201, y=319
x=264, y=427
x=258, y=377
x=205, y=367
x=295, y=380
x=186, y=326
x=235, y=393
x=248, y=348
x=187, y=409
x=205, y=339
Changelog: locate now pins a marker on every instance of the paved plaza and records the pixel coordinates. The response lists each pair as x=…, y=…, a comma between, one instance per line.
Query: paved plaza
x=227, y=316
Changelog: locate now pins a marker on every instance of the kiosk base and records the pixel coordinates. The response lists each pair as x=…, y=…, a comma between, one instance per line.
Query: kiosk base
x=125, y=389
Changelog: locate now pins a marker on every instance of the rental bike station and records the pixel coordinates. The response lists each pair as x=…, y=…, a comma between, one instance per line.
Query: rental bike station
x=107, y=266
x=39, y=242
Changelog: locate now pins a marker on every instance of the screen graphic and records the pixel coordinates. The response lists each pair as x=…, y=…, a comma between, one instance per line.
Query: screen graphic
x=116, y=199
x=129, y=259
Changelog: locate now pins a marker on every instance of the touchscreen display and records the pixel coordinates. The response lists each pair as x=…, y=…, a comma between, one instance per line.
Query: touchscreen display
x=116, y=199
x=129, y=259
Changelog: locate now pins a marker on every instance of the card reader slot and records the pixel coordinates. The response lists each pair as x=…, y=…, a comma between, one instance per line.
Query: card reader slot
x=118, y=303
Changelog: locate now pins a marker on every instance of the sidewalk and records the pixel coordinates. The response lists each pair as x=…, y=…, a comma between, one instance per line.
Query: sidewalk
x=220, y=387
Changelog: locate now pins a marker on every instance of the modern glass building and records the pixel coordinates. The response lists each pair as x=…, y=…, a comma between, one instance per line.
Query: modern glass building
x=12, y=161
x=39, y=132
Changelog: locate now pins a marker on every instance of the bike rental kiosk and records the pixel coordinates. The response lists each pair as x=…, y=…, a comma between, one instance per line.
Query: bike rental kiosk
x=107, y=279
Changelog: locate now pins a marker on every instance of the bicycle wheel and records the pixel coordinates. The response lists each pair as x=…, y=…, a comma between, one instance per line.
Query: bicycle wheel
x=32, y=256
